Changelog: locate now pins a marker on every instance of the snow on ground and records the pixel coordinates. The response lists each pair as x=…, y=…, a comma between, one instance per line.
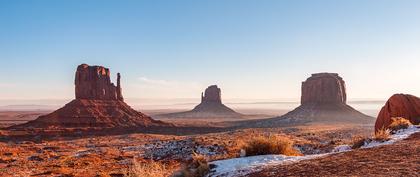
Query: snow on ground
x=175, y=149
x=399, y=135
x=245, y=165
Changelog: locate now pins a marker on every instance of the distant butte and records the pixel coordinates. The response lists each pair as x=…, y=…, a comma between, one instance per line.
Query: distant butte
x=211, y=106
x=98, y=103
x=323, y=100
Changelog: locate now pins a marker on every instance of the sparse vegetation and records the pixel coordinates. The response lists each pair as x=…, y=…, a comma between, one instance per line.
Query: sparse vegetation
x=197, y=167
x=359, y=141
x=398, y=123
x=148, y=168
x=262, y=145
x=382, y=135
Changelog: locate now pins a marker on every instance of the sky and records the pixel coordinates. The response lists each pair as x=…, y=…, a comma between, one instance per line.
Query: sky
x=175, y=49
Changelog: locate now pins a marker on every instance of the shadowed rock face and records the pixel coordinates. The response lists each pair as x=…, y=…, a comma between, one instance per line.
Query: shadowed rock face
x=211, y=94
x=94, y=82
x=323, y=88
x=399, y=105
x=98, y=103
x=211, y=106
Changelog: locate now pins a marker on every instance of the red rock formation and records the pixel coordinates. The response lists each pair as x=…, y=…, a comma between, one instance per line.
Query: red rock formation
x=212, y=94
x=323, y=88
x=94, y=82
x=399, y=105
x=324, y=100
x=98, y=103
x=210, y=107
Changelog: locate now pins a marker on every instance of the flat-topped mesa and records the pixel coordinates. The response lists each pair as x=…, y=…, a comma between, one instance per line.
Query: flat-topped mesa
x=94, y=82
x=211, y=94
x=324, y=88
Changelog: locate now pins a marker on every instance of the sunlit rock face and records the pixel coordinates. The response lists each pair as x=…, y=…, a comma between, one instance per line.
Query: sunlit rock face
x=94, y=82
x=323, y=88
x=399, y=105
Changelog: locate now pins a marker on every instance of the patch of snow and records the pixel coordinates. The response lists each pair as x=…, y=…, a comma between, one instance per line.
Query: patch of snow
x=245, y=165
x=399, y=135
x=175, y=149
x=342, y=148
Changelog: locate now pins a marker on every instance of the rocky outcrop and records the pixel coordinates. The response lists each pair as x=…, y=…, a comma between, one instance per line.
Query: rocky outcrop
x=399, y=105
x=323, y=100
x=99, y=103
x=212, y=94
x=211, y=106
x=323, y=88
x=94, y=82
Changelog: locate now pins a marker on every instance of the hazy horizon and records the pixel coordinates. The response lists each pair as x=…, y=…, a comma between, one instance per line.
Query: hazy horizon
x=170, y=50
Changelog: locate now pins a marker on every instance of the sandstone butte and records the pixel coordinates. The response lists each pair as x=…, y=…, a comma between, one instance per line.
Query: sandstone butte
x=399, y=105
x=98, y=103
x=211, y=106
x=324, y=99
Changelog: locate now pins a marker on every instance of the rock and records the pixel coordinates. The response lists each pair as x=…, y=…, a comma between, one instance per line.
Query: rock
x=211, y=106
x=94, y=82
x=98, y=103
x=323, y=88
x=399, y=105
x=211, y=94
x=323, y=100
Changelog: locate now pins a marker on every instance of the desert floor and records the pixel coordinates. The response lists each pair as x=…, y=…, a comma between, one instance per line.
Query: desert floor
x=113, y=155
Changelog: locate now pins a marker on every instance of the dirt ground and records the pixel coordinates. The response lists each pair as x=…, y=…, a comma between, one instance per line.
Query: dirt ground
x=113, y=155
x=399, y=159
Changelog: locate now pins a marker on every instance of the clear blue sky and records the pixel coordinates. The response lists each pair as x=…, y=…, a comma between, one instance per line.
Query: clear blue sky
x=174, y=49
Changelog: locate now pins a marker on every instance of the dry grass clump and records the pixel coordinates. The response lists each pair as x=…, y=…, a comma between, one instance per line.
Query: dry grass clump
x=359, y=141
x=197, y=167
x=398, y=123
x=149, y=168
x=262, y=145
x=382, y=135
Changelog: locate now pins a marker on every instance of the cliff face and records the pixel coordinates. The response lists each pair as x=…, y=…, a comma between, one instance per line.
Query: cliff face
x=94, y=82
x=399, y=105
x=323, y=88
x=212, y=94
x=98, y=103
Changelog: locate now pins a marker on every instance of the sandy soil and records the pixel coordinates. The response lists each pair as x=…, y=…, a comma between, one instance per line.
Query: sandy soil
x=113, y=155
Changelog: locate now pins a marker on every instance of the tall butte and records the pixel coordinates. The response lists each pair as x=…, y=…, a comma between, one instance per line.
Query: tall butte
x=324, y=99
x=211, y=106
x=98, y=103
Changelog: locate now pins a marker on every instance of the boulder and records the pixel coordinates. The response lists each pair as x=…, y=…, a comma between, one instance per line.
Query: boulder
x=399, y=105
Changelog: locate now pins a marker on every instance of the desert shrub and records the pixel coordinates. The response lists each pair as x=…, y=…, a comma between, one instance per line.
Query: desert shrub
x=149, y=168
x=359, y=141
x=197, y=167
x=382, y=135
x=262, y=145
x=398, y=123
